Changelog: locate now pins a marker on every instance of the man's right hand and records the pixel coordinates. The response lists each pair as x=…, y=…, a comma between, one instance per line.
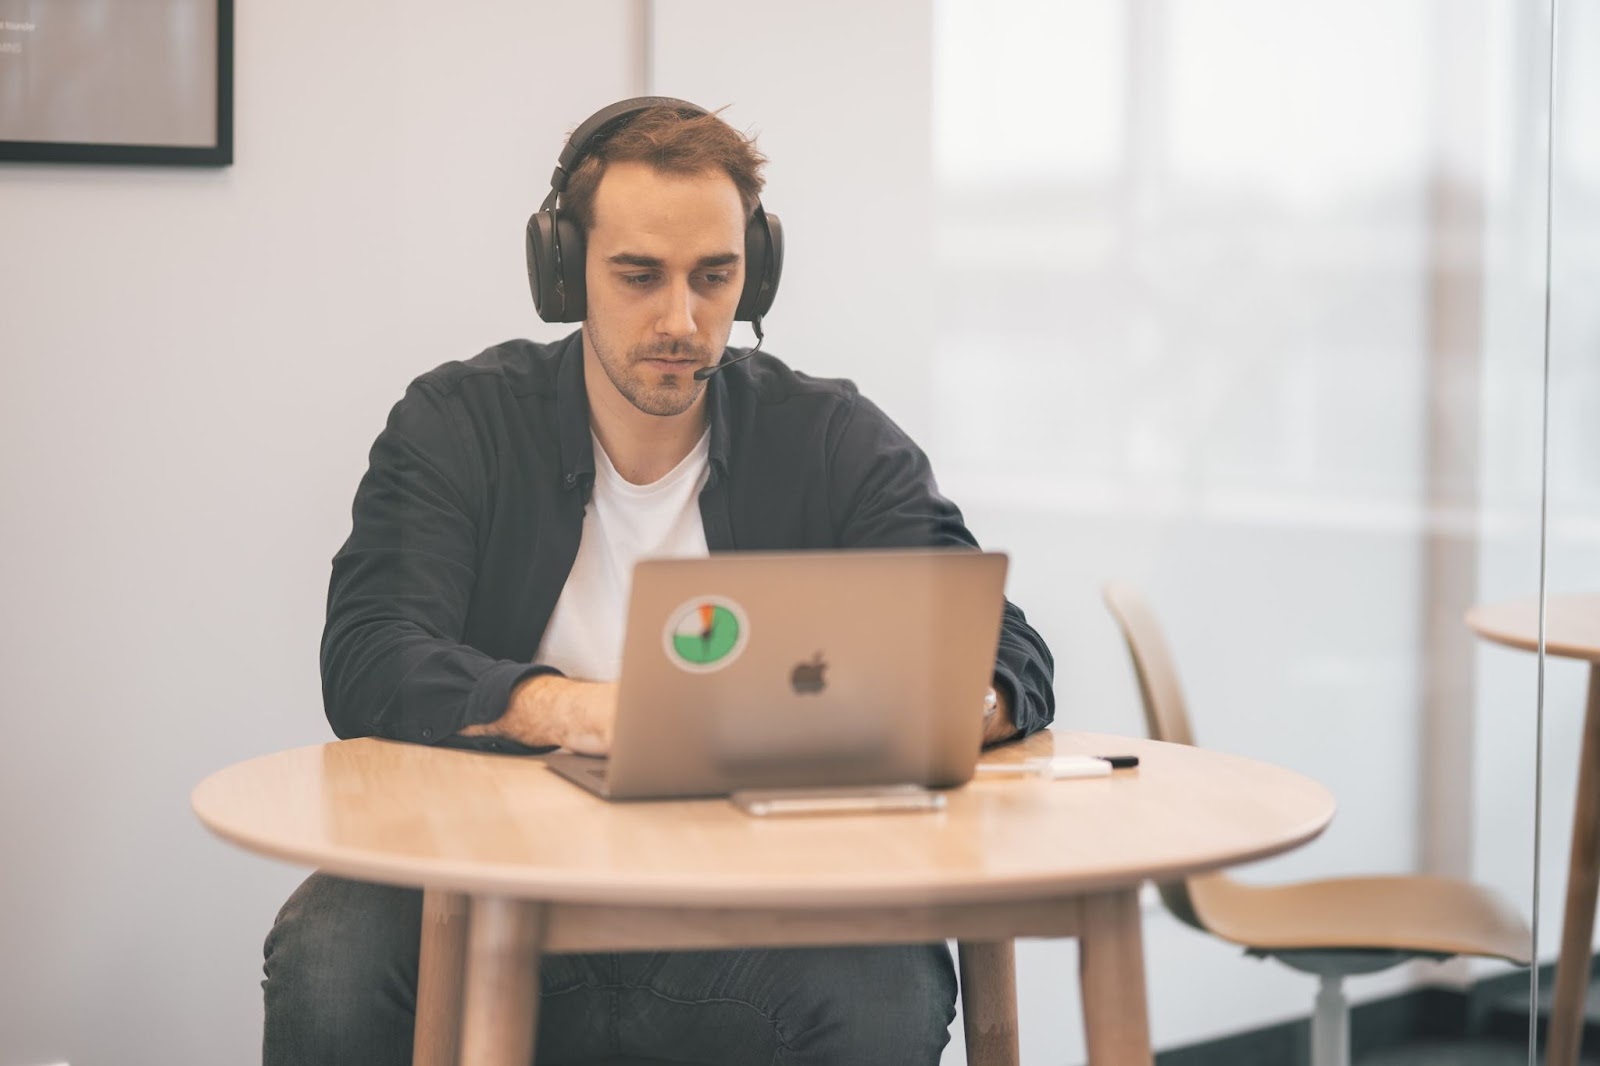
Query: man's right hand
x=553, y=710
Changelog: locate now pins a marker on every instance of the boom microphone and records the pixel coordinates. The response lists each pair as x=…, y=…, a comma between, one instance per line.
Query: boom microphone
x=706, y=371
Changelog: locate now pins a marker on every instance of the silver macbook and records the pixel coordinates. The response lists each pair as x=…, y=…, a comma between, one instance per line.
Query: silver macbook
x=781, y=670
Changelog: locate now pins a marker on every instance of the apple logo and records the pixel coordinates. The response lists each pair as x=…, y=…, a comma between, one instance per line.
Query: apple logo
x=807, y=678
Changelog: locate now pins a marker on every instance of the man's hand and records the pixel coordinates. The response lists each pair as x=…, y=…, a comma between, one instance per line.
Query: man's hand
x=590, y=716
x=1000, y=727
x=551, y=710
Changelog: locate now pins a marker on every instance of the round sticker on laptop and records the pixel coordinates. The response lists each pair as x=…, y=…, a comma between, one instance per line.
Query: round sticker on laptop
x=706, y=634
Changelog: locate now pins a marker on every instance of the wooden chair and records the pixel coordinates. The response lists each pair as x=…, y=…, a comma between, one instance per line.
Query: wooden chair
x=1330, y=928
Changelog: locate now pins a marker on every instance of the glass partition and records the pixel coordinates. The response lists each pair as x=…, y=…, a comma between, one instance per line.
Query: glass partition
x=1571, y=762
x=1255, y=290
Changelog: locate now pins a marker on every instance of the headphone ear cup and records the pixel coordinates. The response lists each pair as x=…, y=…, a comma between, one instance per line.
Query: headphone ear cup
x=555, y=267
x=541, y=266
x=763, y=266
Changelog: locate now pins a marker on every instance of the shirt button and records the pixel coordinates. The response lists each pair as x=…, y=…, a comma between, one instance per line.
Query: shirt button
x=572, y=479
x=427, y=734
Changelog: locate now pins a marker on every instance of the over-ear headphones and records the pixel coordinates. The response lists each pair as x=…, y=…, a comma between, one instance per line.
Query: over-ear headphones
x=556, y=242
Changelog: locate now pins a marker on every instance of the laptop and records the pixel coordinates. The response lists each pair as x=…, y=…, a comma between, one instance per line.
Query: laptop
x=798, y=670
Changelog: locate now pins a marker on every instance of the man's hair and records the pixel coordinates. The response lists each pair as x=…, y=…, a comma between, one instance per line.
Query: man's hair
x=672, y=144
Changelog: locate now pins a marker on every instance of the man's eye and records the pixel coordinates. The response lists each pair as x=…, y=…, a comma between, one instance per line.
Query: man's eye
x=638, y=281
x=718, y=279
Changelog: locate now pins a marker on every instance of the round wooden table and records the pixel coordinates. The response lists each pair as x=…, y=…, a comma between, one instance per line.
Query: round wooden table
x=542, y=866
x=1572, y=631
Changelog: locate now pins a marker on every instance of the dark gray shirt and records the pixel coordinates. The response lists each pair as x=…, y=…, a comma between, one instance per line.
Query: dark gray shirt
x=467, y=522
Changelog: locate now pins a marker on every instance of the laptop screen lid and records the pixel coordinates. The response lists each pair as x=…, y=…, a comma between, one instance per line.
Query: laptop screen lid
x=802, y=669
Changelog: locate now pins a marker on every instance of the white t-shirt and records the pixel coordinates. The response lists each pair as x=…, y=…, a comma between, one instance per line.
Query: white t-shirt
x=623, y=524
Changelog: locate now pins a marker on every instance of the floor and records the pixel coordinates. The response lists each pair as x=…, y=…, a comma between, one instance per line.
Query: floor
x=1504, y=1043
x=1452, y=1053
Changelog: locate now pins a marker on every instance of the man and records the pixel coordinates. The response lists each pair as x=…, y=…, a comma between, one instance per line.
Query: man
x=480, y=602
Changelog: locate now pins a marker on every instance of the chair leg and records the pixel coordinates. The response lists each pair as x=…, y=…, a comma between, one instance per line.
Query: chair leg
x=1330, y=1025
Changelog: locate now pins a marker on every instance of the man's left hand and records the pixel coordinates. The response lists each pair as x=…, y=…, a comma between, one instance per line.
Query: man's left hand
x=1000, y=726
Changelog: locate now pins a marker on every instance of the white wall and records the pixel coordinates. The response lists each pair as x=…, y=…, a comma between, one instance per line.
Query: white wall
x=838, y=93
x=196, y=365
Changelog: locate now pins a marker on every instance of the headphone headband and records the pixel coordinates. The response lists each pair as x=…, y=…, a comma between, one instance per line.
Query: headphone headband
x=555, y=244
x=606, y=121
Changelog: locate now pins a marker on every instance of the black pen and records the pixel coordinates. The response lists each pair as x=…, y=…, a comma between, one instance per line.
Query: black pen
x=1063, y=766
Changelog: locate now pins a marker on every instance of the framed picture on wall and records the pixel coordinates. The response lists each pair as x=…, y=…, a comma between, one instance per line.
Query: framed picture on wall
x=117, y=81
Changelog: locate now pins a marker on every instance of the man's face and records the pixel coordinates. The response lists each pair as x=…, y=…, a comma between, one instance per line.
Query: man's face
x=664, y=270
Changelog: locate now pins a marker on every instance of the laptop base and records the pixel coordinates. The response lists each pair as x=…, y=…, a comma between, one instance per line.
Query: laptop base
x=589, y=773
x=586, y=771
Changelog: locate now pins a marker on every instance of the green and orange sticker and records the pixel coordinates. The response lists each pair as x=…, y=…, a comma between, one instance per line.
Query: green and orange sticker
x=706, y=634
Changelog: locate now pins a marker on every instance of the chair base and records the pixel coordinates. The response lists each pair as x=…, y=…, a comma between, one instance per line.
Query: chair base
x=1330, y=1021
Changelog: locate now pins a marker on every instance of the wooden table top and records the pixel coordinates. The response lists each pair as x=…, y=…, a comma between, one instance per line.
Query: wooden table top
x=465, y=821
x=1572, y=625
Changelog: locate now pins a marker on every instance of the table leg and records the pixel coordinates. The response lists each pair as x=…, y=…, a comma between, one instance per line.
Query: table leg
x=989, y=1001
x=439, y=974
x=1583, y=878
x=1116, y=1021
x=501, y=1015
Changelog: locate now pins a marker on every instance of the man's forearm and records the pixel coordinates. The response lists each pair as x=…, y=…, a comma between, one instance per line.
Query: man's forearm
x=553, y=711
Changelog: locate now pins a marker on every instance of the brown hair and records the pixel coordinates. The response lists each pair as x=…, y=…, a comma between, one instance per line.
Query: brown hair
x=673, y=144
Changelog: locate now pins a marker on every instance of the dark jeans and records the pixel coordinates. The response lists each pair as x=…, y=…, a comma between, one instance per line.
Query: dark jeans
x=341, y=985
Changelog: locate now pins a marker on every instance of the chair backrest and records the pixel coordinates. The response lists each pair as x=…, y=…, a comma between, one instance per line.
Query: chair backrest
x=1165, y=715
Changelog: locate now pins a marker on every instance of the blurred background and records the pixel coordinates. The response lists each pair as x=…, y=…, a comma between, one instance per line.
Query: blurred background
x=1242, y=301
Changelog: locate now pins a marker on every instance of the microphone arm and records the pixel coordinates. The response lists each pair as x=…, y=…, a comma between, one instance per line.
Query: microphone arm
x=706, y=371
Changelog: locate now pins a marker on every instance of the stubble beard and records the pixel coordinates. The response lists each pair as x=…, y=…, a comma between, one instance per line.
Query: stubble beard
x=674, y=395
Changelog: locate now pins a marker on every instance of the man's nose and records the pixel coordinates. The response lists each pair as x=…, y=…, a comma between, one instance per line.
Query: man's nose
x=677, y=316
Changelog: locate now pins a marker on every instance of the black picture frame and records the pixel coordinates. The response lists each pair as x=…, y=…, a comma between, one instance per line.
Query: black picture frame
x=217, y=154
